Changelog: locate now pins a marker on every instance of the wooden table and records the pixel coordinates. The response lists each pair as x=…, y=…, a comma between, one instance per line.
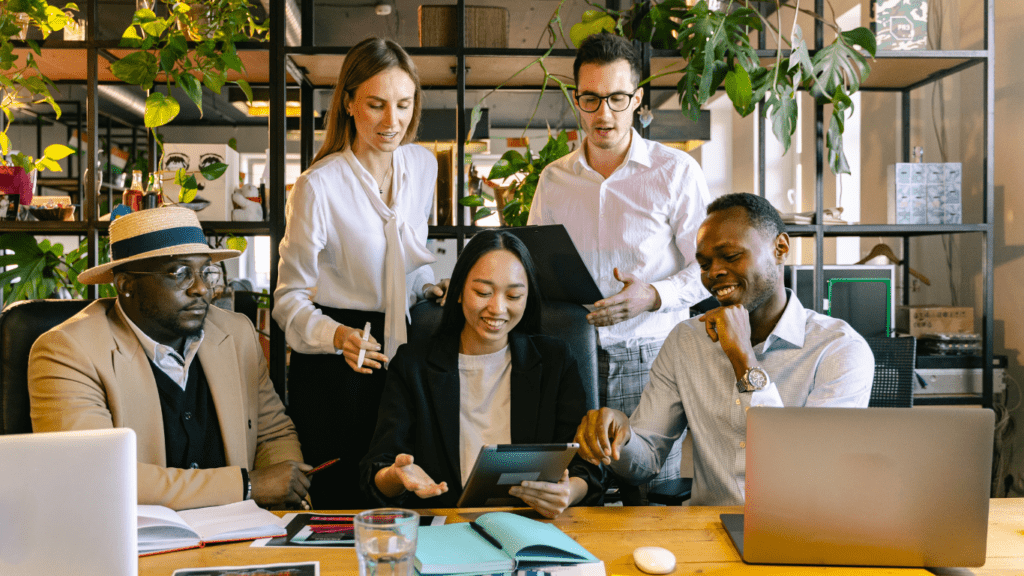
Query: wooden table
x=694, y=534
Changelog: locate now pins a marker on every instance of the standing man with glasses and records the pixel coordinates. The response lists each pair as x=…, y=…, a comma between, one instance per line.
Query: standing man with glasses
x=190, y=379
x=632, y=208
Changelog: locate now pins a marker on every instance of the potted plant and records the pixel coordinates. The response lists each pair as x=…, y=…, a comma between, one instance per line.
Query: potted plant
x=43, y=270
x=23, y=84
x=513, y=201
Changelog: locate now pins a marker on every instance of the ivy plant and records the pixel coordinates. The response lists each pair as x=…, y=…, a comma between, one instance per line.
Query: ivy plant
x=162, y=52
x=21, y=82
x=715, y=51
x=525, y=171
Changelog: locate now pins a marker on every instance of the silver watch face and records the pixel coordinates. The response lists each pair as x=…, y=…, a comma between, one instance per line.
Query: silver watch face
x=757, y=378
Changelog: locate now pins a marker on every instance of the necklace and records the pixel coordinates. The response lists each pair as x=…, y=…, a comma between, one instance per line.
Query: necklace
x=384, y=181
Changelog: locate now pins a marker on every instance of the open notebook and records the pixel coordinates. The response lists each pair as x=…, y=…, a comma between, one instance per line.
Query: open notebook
x=499, y=542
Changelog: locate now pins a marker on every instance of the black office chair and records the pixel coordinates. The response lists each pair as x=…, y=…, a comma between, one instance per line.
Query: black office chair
x=567, y=322
x=893, y=385
x=21, y=324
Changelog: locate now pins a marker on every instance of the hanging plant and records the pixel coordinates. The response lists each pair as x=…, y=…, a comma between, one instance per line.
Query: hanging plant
x=715, y=47
x=163, y=53
x=22, y=84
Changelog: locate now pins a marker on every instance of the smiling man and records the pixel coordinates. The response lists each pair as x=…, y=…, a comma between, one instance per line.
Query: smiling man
x=632, y=208
x=188, y=378
x=760, y=348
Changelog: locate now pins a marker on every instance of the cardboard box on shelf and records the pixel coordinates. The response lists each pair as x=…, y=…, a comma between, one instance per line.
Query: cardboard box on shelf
x=217, y=192
x=920, y=320
x=485, y=26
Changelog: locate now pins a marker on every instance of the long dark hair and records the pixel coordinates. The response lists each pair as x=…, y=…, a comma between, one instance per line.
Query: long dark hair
x=364, y=61
x=452, y=318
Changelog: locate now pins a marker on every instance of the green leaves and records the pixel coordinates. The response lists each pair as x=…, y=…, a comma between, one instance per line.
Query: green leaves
x=525, y=172
x=137, y=68
x=163, y=55
x=38, y=270
x=189, y=186
x=160, y=109
x=214, y=171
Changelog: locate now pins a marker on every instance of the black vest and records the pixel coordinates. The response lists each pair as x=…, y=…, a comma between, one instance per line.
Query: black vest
x=191, y=432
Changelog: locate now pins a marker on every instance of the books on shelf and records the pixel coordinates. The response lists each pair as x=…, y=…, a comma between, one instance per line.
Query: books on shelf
x=498, y=542
x=164, y=530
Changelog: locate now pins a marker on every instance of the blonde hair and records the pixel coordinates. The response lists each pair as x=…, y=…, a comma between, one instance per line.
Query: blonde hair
x=364, y=61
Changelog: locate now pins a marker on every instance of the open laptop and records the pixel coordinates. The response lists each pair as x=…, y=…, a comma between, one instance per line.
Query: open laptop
x=67, y=503
x=866, y=487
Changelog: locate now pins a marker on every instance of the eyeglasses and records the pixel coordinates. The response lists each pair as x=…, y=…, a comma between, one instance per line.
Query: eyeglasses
x=617, y=102
x=185, y=277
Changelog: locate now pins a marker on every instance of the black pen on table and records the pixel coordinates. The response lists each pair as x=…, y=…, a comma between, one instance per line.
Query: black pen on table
x=480, y=530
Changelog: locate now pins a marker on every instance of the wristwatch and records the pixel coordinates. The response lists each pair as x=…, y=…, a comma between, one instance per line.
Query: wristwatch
x=753, y=379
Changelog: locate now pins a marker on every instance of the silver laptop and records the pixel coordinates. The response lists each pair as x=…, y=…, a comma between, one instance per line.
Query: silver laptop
x=67, y=503
x=866, y=487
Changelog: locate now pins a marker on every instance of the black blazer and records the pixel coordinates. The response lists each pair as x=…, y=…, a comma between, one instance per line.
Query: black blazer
x=419, y=413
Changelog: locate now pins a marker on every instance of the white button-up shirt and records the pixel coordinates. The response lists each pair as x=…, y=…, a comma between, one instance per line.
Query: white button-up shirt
x=812, y=360
x=164, y=357
x=642, y=219
x=333, y=250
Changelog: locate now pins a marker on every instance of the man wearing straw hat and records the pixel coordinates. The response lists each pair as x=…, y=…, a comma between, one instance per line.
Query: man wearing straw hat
x=188, y=378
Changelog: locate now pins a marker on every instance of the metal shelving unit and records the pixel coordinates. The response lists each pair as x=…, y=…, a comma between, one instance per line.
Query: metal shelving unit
x=279, y=65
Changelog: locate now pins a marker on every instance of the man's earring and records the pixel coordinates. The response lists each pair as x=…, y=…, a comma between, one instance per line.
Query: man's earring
x=127, y=294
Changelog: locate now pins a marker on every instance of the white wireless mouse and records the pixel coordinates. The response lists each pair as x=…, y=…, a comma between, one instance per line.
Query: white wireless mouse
x=654, y=560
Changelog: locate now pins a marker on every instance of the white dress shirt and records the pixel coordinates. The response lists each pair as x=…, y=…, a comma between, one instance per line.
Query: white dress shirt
x=164, y=357
x=334, y=248
x=642, y=219
x=812, y=360
x=485, y=403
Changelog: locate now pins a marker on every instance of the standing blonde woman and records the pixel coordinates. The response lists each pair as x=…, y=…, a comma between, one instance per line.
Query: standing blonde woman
x=354, y=251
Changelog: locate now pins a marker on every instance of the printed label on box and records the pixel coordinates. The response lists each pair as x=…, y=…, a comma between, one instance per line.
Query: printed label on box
x=900, y=24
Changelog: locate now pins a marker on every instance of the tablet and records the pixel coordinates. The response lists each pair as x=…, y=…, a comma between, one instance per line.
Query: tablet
x=502, y=466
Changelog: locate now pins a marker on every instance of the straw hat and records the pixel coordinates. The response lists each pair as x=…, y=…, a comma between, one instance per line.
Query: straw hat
x=169, y=231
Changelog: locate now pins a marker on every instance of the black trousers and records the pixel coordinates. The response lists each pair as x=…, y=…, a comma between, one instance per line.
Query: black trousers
x=335, y=413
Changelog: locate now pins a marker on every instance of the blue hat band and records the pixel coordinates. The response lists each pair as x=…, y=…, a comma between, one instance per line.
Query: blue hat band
x=156, y=240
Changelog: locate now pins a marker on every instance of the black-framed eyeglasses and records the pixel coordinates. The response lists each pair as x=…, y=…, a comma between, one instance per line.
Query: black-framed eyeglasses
x=184, y=276
x=617, y=101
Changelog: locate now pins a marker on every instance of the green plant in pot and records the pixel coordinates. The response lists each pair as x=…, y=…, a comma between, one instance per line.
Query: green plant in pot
x=513, y=202
x=22, y=84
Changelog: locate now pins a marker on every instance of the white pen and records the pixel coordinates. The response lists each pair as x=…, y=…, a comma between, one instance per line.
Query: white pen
x=362, y=351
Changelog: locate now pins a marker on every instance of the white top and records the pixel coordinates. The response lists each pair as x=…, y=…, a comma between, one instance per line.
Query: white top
x=335, y=252
x=812, y=360
x=485, y=392
x=164, y=357
x=643, y=219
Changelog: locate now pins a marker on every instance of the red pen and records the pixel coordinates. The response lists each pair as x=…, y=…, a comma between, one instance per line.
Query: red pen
x=322, y=466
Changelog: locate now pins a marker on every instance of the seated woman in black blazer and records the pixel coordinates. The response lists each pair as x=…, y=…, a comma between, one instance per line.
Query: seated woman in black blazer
x=487, y=377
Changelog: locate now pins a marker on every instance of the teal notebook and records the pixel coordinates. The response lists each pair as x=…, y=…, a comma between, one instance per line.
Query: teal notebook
x=460, y=549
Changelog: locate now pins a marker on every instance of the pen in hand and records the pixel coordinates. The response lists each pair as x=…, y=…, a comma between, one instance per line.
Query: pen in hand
x=362, y=351
x=322, y=466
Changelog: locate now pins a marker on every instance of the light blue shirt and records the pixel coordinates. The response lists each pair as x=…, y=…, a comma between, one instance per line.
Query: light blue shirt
x=812, y=360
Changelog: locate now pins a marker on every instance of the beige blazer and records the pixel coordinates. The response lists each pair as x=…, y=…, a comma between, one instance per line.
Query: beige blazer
x=91, y=372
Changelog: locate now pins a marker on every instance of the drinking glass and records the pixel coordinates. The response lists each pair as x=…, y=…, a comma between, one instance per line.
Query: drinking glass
x=386, y=541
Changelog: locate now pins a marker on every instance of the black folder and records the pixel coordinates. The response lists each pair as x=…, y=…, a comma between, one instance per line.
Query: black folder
x=561, y=273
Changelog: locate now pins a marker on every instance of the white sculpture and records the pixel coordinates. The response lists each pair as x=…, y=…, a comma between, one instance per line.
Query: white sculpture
x=247, y=204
